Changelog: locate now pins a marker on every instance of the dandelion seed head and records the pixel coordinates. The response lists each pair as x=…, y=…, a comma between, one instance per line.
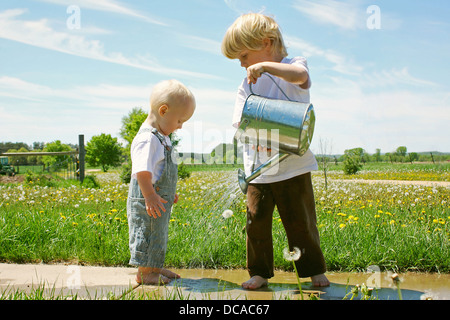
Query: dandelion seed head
x=291, y=255
x=227, y=213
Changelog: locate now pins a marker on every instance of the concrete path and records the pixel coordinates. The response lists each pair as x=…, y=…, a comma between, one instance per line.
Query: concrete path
x=90, y=282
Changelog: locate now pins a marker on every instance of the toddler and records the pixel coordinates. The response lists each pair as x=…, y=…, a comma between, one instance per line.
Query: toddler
x=152, y=190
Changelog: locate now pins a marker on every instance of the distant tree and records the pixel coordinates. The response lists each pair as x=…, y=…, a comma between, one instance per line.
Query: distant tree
x=401, y=153
x=57, y=162
x=131, y=124
x=6, y=146
x=413, y=156
x=388, y=157
x=352, y=160
x=18, y=160
x=103, y=150
x=377, y=155
x=38, y=145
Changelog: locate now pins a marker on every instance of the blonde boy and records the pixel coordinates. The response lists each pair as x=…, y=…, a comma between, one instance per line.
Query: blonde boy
x=256, y=40
x=153, y=180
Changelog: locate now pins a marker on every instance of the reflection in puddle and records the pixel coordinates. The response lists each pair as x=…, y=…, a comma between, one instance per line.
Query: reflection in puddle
x=226, y=284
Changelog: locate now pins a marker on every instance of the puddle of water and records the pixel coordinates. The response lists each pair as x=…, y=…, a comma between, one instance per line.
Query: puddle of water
x=226, y=284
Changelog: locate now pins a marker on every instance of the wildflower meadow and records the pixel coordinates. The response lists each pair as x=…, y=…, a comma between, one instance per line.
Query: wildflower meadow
x=401, y=227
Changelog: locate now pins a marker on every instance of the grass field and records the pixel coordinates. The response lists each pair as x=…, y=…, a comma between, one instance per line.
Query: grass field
x=397, y=227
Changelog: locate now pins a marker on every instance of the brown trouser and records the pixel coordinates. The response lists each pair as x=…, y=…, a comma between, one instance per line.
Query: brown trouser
x=294, y=199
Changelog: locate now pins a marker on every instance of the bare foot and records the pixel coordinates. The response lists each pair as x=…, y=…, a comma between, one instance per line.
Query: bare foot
x=154, y=276
x=169, y=274
x=255, y=282
x=320, y=280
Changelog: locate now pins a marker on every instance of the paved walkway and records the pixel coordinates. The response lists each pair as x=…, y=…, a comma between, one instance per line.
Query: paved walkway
x=87, y=282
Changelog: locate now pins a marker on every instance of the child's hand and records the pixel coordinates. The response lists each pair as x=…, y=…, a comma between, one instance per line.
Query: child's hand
x=176, y=198
x=153, y=203
x=254, y=72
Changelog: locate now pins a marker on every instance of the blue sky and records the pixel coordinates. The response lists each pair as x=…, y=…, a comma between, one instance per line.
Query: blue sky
x=377, y=83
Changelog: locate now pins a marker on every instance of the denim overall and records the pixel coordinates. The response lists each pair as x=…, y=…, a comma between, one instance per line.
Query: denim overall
x=147, y=235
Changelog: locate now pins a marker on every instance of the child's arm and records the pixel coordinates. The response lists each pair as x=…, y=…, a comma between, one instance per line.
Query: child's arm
x=288, y=72
x=153, y=202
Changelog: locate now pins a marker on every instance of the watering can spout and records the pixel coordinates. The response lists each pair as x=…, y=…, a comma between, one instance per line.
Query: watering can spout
x=244, y=180
x=243, y=184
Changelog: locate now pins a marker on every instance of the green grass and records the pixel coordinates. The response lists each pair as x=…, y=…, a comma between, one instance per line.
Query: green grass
x=397, y=227
x=394, y=171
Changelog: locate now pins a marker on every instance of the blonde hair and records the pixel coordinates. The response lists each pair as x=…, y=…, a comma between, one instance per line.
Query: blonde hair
x=169, y=92
x=248, y=32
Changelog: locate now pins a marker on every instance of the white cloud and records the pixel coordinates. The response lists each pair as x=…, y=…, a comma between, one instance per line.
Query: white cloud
x=394, y=77
x=345, y=15
x=200, y=43
x=107, y=6
x=112, y=97
x=39, y=33
x=340, y=63
x=242, y=7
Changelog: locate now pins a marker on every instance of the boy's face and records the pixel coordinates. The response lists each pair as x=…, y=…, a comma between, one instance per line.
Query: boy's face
x=173, y=117
x=250, y=57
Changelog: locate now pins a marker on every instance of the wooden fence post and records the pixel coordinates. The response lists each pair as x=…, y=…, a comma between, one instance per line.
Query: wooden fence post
x=81, y=155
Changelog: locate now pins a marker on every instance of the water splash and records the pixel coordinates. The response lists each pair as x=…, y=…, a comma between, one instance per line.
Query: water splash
x=216, y=191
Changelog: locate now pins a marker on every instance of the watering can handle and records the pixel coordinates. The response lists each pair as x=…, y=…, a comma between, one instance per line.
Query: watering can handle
x=265, y=73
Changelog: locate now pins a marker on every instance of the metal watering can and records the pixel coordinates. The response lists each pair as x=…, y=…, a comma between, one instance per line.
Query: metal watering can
x=284, y=125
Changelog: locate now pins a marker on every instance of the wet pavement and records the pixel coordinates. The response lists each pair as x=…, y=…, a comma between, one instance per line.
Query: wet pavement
x=90, y=282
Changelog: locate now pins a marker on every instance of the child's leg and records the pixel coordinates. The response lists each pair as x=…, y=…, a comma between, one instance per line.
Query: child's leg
x=260, y=207
x=295, y=203
x=148, y=243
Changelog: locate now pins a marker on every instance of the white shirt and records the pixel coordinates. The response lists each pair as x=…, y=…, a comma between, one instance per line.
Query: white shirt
x=293, y=165
x=147, y=153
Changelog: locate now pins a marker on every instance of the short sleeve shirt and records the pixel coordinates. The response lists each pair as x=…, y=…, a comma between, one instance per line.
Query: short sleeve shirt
x=147, y=153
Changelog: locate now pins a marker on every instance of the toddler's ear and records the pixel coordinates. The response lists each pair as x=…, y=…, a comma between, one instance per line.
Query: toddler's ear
x=163, y=109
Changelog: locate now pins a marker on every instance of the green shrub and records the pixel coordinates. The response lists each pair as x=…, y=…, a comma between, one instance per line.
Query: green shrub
x=352, y=165
x=183, y=173
x=90, y=182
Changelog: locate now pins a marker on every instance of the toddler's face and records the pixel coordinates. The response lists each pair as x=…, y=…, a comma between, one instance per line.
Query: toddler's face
x=173, y=117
